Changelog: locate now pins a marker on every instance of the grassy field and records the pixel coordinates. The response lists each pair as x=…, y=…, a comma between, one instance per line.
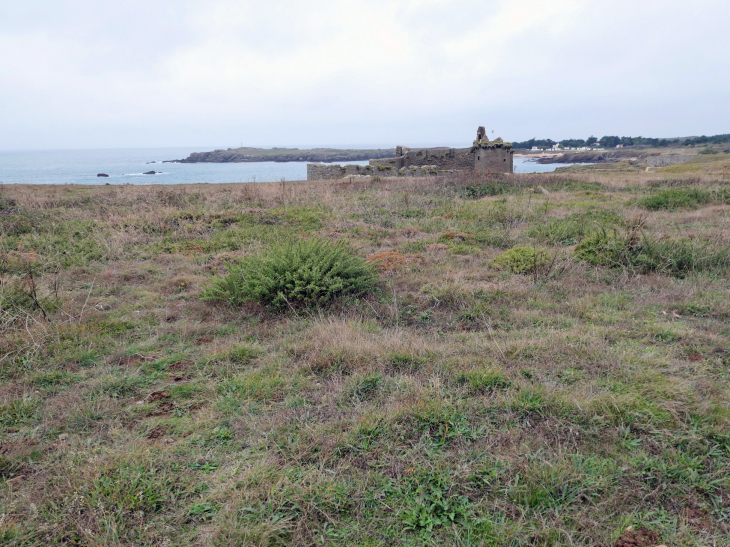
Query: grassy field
x=460, y=403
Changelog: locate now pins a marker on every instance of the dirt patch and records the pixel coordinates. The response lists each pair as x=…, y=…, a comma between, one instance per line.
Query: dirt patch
x=203, y=340
x=133, y=360
x=173, y=313
x=389, y=261
x=456, y=236
x=698, y=518
x=158, y=395
x=157, y=432
x=411, y=231
x=177, y=285
x=182, y=378
x=695, y=357
x=162, y=409
x=179, y=366
x=641, y=537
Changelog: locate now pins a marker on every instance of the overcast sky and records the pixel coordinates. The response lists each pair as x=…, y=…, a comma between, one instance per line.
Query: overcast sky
x=141, y=73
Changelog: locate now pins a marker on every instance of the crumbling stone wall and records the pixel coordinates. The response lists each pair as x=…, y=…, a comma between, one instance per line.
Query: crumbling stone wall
x=495, y=156
x=445, y=158
x=320, y=171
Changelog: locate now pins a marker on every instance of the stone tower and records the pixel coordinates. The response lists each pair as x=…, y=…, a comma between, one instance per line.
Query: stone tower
x=495, y=156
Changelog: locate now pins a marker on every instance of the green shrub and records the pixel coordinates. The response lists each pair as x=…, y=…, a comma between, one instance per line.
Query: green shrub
x=522, y=260
x=676, y=198
x=307, y=273
x=644, y=254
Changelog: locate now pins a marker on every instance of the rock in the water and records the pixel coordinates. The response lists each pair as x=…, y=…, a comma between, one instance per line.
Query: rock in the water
x=150, y=173
x=102, y=175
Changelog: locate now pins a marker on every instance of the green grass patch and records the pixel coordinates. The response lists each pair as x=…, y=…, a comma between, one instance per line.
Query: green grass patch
x=483, y=381
x=574, y=228
x=643, y=254
x=676, y=198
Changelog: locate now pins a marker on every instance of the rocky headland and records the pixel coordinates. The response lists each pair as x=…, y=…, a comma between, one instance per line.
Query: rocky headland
x=247, y=154
x=597, y=156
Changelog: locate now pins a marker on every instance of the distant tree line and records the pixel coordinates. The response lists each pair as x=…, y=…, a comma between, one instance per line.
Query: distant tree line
x=609, y=141
x=716, y=139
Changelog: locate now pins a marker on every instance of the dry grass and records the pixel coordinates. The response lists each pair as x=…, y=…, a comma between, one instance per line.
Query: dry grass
x=548, y=409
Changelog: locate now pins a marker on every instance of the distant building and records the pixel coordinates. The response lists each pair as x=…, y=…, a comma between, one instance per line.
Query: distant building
x=619, y=146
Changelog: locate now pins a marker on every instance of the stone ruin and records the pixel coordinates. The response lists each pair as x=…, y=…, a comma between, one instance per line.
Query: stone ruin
x=483, y=156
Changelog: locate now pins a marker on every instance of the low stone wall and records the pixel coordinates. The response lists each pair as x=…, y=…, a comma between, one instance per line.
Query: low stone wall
x=461, y=159
x=664, y=161
x=320, y=171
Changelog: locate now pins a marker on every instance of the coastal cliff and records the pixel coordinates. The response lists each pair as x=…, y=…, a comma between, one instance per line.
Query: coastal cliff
x=247, y=154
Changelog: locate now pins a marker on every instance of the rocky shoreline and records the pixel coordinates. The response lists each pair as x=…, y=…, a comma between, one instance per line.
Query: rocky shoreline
x=599, y=156
x=245, y=154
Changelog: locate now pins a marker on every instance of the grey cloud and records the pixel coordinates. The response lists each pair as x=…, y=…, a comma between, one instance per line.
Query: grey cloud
x=157, y=73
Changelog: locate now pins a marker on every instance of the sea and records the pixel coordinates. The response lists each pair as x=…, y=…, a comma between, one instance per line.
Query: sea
x=128, y=165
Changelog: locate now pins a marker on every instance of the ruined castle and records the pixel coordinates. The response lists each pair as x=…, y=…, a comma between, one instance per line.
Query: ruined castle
x=483, y=156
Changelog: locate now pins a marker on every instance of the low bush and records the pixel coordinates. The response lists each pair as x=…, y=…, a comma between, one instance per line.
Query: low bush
x=676, y=198
x=306, y=273
x=522, y=260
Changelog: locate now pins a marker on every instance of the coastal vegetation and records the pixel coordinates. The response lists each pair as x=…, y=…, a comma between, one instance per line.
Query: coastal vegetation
x=610, y=141
x=309, y=272
x=458, y=360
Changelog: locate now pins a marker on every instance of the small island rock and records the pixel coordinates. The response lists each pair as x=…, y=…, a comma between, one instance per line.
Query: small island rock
x=102, y=175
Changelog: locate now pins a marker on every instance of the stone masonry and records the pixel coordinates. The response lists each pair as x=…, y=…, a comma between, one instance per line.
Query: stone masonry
x=483, y=156
x=320, y=171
